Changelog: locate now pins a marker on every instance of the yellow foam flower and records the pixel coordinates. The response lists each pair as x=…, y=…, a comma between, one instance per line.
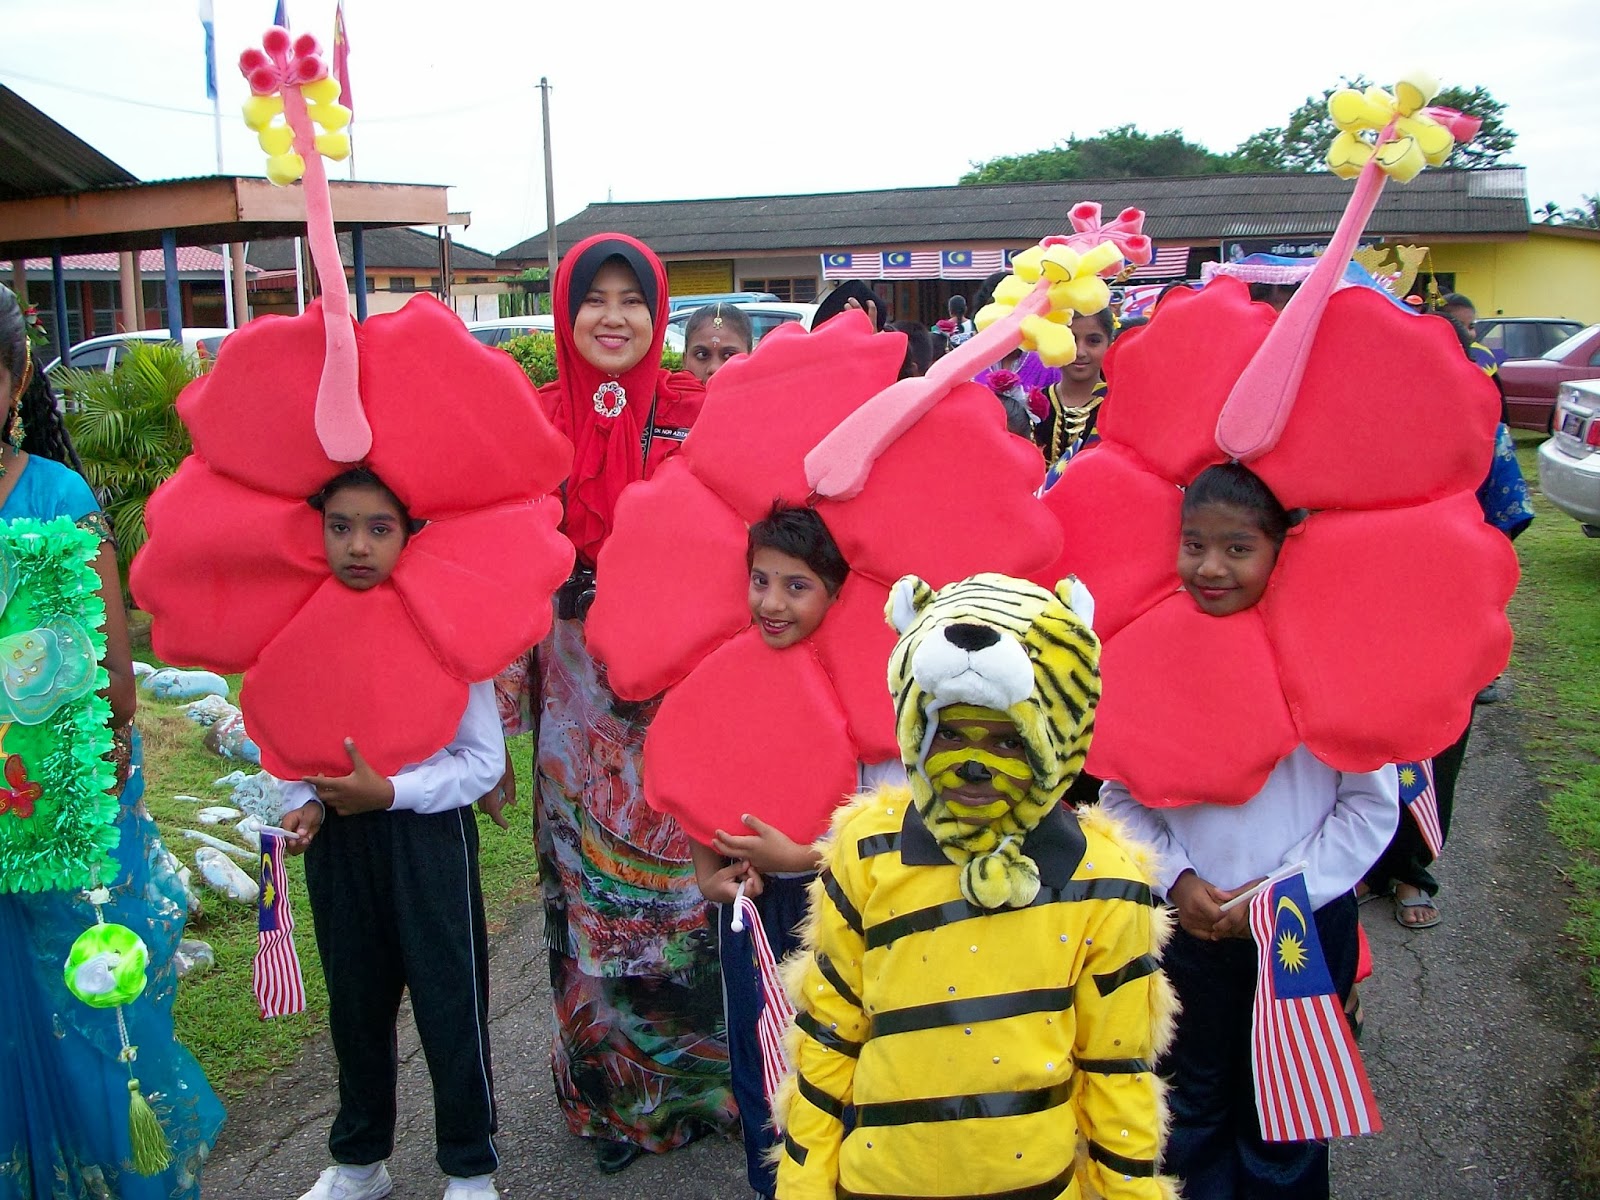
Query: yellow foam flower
x=1074, y=287
x=1418, y=139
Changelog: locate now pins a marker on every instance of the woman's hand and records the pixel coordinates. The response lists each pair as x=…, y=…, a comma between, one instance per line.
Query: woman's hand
x=363, y=790
x=766, y=849
x=303, y=823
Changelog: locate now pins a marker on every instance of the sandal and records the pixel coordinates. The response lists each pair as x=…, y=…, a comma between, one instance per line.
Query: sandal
x=1422, y=900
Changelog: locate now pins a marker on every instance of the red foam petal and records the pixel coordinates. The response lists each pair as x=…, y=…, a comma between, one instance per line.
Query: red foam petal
x=350, y=664
x=1381, y=657
x=671, y=584
x=781, y=751
x=1168, y=385
x=952, y=496
x=478, y=586
x=455, y=424
x=1191, y=711
x=225, y=568
x=854, y=643
x=1119, y=533
x=764, y=412
x=250, y=416
x=1390, y=413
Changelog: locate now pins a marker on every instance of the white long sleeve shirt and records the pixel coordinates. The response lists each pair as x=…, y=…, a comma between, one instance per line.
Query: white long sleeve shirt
x=470, y=766
x=1338, y=823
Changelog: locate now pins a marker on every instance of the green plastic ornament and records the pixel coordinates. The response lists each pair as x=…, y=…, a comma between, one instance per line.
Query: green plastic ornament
x=106, y=966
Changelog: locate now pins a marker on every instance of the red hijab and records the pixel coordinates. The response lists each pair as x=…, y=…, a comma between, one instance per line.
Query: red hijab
x=609, y=452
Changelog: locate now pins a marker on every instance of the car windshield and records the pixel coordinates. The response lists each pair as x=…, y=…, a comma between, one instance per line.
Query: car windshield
x=1561, y=349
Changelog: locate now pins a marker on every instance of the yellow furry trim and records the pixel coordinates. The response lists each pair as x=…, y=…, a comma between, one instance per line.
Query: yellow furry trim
x=788, y=1090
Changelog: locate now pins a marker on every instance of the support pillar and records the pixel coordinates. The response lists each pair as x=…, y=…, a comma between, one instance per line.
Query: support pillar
x=132, y=301
x=169, y=265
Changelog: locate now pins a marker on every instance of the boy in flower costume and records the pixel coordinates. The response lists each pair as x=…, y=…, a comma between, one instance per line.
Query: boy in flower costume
x=980, y=983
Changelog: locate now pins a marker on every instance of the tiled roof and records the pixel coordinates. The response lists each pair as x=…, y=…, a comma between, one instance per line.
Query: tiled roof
x=39, y=157
x=190, y=259
x=385, y=248
x=1180, y=209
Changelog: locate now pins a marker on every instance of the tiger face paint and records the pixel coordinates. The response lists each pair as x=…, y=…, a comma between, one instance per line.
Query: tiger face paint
x=978, y=765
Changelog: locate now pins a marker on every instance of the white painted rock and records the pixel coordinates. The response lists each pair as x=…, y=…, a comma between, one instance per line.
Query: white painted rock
x=216, y=843
x=249, y=831
x=191, y=898
x=141, y=669
x=191, y=799
x=217, y=814
x=223, y=876
x=193, y=957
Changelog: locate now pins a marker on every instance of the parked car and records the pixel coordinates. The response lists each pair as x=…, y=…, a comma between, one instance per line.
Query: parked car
x=1569, y=461
x=675, y=303
x=765, y=316
x=1523, y=337
x=1531, y=383
x=104, y=352
x=503, y=329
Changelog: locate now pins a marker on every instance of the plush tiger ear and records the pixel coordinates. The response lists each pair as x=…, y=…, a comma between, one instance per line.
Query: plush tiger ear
x=906, y=599
x=1071, y=592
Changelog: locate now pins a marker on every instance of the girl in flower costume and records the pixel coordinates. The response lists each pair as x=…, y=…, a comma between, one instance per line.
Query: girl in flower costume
x=1354, y=656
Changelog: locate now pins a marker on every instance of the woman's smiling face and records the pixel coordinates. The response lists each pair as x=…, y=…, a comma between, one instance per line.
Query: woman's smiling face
x=613, y=328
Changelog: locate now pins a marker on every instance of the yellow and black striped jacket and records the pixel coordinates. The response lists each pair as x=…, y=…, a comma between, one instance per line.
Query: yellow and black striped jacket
x=942, y=1049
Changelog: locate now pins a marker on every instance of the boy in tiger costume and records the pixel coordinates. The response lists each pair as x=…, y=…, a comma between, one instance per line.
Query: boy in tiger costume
x=980, y=984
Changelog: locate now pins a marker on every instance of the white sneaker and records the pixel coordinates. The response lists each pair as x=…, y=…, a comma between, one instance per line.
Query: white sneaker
x=340, y=1182
x=480, y=1187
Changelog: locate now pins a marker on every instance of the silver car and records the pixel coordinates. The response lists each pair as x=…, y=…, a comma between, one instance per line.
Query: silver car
x=1569, y=462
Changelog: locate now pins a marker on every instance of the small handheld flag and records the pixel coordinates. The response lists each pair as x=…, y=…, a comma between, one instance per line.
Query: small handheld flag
x=1310, y=1081
x=776, y=1009
x=279, y=986
x=1421, y=800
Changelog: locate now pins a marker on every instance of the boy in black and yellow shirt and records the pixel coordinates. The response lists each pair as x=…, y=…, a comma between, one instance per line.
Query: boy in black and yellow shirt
x=980, y=1006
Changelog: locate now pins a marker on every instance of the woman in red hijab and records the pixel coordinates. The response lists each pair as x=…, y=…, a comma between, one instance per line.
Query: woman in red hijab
x=639, y=1060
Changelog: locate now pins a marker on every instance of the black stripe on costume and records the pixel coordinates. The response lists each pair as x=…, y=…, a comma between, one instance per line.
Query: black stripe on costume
x=831, y=974
x=968, y=1012
x=877, y=843
x=1114, y=1066
x=841, y=902
x=1038, y=1191
x=1144, y=965
x=924, y=919
x=819, y=1098
x=964, y=1108
x=1139, y=1168
x=828, y=1038
x=795, y=1149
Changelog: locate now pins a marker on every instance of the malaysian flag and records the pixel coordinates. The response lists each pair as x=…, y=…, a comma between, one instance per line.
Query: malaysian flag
x=279, y=987
x=1421, y=800
x=910, y=264
x=1310, y=1082
x=1168, y=262
x=776, y=1009
x=851, y=264
x=968, y=264
x=341, y=57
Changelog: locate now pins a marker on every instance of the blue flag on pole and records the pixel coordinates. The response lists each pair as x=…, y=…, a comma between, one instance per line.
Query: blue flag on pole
x=279, y=16
x=207, y=21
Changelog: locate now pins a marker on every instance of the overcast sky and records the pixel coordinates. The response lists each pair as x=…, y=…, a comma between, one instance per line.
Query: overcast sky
x=655, y=101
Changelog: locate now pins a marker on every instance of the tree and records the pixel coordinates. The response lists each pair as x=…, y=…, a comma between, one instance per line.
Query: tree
x=125, y=426
x=1125, y=152
x=1587, y=214
x=1550, y=213
x=1302, y=143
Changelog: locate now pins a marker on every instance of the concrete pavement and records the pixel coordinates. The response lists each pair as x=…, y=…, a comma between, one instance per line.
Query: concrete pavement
x=1478, y=1032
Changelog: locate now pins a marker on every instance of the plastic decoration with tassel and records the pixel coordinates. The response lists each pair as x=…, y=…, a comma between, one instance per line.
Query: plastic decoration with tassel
x=107, y=968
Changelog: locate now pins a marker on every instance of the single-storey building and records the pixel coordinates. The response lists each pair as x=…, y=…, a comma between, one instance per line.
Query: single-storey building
x=400, y=262
x=921, y=245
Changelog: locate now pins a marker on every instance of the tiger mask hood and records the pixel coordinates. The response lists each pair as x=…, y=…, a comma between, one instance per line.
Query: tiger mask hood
x=1002, y=644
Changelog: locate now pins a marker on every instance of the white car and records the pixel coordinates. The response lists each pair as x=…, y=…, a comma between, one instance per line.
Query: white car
x=503, y=329
x=765, y=316
x=1569, y=460
x=103, y=353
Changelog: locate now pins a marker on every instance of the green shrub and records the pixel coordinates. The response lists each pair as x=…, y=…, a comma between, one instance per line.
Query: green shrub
x=536, y=355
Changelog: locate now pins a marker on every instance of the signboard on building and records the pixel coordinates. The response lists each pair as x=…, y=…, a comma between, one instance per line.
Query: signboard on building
x=1293, y=246
x=700, y=277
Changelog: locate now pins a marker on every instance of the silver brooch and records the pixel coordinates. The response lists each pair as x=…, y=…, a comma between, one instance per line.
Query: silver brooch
x=619, y=399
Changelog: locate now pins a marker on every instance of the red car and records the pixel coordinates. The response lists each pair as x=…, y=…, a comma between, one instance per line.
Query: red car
x=1531, y=383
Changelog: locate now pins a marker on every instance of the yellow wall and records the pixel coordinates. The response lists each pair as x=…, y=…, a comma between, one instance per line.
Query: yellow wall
x=1545, y=276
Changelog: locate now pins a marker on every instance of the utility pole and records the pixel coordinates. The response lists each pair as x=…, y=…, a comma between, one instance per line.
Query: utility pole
x=549, y=185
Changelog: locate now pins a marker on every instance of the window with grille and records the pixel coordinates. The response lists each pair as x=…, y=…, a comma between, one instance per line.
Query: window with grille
x=794, y=291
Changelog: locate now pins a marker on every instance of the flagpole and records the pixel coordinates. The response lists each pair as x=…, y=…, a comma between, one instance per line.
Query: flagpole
x=208, y=23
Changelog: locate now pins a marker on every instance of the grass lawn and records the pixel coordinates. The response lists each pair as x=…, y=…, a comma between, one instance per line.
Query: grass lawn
x=216, y=1013
x=1556, y=666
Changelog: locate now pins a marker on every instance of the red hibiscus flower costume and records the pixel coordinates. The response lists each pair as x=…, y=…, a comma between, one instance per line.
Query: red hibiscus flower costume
x=235, y=575
x=1385, y=612
x=916, y=476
